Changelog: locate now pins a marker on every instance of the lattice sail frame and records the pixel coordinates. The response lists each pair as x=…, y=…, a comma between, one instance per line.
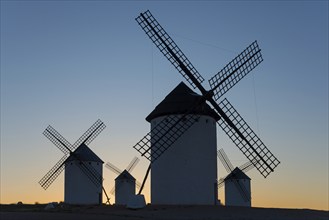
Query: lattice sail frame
x=244, y=167
x=132, y=164
x=167, y=46
x=164, y=135
x=113, y=168
x=58, y=168
x=118, y=171
x=53, y=173
x=58, y=140
x=266, y=161
x=90, y=134
x=247, y=166
x=61, y=143
x=220, y=83
x=225, y=161
x=95, y=177
x=235, y=70
x=230, y=169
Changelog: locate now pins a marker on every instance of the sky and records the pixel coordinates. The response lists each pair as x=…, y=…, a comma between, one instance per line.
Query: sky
x=69, y=63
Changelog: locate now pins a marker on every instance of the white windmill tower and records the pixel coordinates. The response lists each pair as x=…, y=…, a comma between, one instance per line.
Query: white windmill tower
x=170, y=128
x=237, y=183
x=83, y=168
x=187, y=172
x=125, y=183
x=78, y=187
x=237, y=189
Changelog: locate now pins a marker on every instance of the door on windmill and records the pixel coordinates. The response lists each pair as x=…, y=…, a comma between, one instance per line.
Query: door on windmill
x=100, y=198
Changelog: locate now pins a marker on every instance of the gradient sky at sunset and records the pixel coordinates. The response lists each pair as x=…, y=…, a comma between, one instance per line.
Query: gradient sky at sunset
x=68, y=63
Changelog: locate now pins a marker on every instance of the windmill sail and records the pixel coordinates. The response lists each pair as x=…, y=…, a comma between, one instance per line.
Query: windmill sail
x=220, y=84
x=164, y=135
x=129, y=169
x=233, y=173
x=167, y=46
x=235, y=70
x=251, y=146
x=53, y=173
x=71, y=152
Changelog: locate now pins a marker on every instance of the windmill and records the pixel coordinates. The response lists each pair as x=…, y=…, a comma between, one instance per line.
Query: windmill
x=170, y=129
x=237, y=183
x=125, y=183
x=83, y=168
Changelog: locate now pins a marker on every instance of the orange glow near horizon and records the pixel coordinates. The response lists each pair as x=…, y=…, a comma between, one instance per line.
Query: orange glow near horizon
x=261, y=197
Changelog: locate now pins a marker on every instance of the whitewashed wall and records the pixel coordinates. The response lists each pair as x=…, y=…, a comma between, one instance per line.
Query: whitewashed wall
x=78, y=188
x=232, y=195
x=186, y=173
x=124, y=190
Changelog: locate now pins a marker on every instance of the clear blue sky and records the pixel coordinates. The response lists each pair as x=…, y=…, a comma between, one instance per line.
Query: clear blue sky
x=69, y=63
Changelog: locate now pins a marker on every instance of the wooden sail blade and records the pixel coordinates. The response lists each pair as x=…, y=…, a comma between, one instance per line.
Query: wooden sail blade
x=53, y=173
x=247, y=141
x=168, y=47
x=234, y=71
x=132, y=164
x=164, y=135
x=58, y=140
x=113, y=168
x=90, y=134
x=225, y=161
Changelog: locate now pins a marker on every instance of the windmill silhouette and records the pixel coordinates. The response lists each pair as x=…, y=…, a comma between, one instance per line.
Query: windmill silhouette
x=237, y=183
x=118, y=171
x=170, y=129
x=83, y=168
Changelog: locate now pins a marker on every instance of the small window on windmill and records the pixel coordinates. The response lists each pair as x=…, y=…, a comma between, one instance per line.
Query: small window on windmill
x=89, y=163
x=207, y=121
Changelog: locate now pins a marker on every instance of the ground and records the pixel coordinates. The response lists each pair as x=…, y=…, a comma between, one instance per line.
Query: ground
x=109, y=212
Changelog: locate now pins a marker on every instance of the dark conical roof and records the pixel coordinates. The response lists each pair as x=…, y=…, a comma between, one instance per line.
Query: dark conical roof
x=84, y=153
x=237, y=174
x=179, y=101
x=125, y=175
